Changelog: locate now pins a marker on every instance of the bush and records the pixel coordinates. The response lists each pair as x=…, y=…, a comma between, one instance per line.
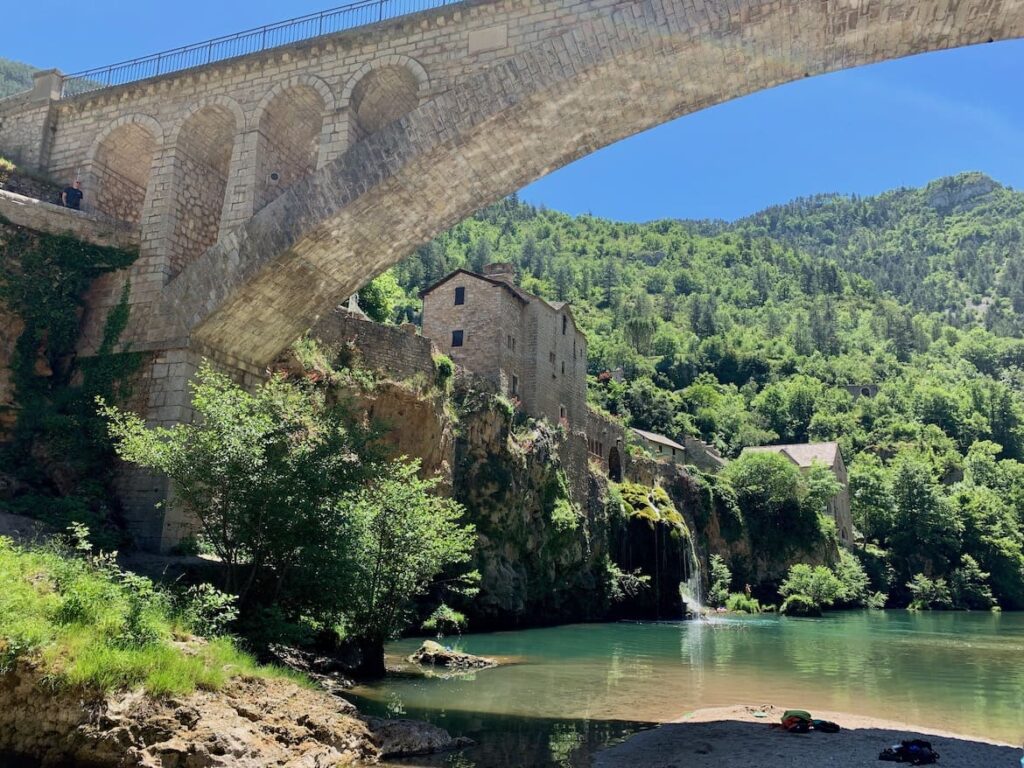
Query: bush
x=720, y=579
x=927, y=594
x=445, y=620
x=853, y=580
x=969, y=586
x=800, y=605
x=444, y=372
x=740, y=603
x=817, y=586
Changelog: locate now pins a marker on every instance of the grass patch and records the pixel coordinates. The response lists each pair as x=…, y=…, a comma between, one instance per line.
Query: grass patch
x=91, y=624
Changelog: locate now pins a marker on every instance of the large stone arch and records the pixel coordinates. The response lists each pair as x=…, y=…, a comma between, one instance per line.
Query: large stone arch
x=382, y=91
x=292, y=135
x=204, y=145
x=119, y=166
x=642, y=64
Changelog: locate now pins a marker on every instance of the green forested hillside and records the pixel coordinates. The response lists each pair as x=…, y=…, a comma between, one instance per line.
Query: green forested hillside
x=747, y=333
x=14, y=77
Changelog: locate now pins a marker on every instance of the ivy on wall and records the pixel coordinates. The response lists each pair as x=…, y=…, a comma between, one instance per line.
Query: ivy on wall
x=59, y=457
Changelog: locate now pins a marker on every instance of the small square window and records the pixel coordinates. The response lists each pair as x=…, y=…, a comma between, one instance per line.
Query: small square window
x=456, y=338
x=460, y=295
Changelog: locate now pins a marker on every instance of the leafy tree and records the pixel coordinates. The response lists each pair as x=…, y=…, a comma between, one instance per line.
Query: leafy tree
x=379, y=298
x=260, y=472
x=969, y=586
x=402, y=538
x=853, y=580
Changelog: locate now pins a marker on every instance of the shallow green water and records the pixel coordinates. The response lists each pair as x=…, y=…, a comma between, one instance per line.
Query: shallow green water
x=578, y=687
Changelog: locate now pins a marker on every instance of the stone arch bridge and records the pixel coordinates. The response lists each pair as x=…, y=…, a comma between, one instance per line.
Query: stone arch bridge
x=268, y=186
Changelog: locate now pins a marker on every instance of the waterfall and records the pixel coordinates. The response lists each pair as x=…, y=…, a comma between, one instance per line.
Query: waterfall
x=691, y=589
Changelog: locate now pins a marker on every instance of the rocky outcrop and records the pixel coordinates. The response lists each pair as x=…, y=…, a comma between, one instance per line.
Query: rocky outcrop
x=250, y=723
x=435, y=654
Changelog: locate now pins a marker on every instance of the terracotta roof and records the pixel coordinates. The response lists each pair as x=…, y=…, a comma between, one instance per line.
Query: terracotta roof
x=803, y=454
x=656, y=438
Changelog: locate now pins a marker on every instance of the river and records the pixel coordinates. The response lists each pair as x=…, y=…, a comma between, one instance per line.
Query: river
x=573, y=689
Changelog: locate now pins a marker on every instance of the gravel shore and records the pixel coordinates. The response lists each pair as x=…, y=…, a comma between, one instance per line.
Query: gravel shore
x=735, y=737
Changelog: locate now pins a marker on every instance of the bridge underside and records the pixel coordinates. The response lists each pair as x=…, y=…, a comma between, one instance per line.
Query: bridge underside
x=642, y=64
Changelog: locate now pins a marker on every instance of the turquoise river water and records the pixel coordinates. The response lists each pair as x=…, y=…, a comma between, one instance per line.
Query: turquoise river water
x=570, y=690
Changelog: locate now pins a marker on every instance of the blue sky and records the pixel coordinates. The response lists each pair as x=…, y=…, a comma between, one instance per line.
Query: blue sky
x=900, y=123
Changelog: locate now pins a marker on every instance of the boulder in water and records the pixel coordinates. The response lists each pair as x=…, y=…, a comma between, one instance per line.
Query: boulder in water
x=407, y=738
x=437, y=655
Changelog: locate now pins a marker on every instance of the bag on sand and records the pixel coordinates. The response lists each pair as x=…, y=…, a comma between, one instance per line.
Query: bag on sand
x=914, y=752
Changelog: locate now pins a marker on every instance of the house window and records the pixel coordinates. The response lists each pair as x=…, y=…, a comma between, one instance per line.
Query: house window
x=515, y=384
x=561, y=411
x=551, y=357
x=460, y=295
x=563, y=367
x=565, y=324
x=456, y=338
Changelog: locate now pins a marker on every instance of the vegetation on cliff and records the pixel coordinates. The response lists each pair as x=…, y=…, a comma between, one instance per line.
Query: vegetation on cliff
x=752, y=332
x=59, y=454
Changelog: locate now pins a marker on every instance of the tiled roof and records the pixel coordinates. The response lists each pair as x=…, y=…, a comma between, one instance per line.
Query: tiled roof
x=804, y=454
x=656, y=438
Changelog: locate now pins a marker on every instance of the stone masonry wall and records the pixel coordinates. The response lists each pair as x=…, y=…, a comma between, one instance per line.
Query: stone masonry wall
x=398, y=353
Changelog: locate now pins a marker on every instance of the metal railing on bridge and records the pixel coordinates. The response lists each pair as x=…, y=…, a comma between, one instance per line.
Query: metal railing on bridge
x=350, y=16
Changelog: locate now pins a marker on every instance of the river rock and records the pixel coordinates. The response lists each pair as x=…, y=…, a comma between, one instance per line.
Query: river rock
x=437, y=655
x=407, y=738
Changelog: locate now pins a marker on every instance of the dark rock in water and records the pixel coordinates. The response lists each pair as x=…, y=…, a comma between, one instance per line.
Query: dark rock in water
x=406, y=738
x=437, y=655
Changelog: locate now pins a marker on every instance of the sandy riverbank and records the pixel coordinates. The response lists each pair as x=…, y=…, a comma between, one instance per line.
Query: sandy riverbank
x=733, y=737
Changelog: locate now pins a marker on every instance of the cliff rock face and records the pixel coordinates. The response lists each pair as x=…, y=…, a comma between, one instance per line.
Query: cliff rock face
x=541, y=557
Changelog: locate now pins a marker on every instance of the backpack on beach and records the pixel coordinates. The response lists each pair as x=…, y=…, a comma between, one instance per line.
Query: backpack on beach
x=914, y=752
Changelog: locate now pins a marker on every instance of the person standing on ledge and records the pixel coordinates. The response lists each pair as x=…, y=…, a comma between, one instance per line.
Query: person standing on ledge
x=72, y=196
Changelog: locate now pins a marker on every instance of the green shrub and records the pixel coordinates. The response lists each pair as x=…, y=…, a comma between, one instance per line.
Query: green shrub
x=853, y=580
x=740, y=603
x=445, y=620
x=927, y=594
x=876, y=600
x=818, y=585
x=720, y=579
x=800, y=605
x=444, y=372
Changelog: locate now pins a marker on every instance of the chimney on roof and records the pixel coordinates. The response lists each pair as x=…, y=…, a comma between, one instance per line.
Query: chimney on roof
x=502, y=270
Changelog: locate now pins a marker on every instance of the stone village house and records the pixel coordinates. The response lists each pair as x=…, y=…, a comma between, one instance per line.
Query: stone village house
x=804, y=455
x=527, y=347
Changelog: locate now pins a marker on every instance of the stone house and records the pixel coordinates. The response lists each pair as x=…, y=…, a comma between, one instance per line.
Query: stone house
x=804, y=455
x=691, y=451
x=528, y=347
x=660, y=446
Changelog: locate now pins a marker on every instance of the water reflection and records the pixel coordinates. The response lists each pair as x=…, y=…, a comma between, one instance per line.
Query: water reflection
x=962, y=672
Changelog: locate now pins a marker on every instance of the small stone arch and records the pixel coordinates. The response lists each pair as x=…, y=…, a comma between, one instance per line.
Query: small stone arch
x=204, y=147
x=381, y=91
x=292, y=135
x=614, y=465
x=119, y=166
